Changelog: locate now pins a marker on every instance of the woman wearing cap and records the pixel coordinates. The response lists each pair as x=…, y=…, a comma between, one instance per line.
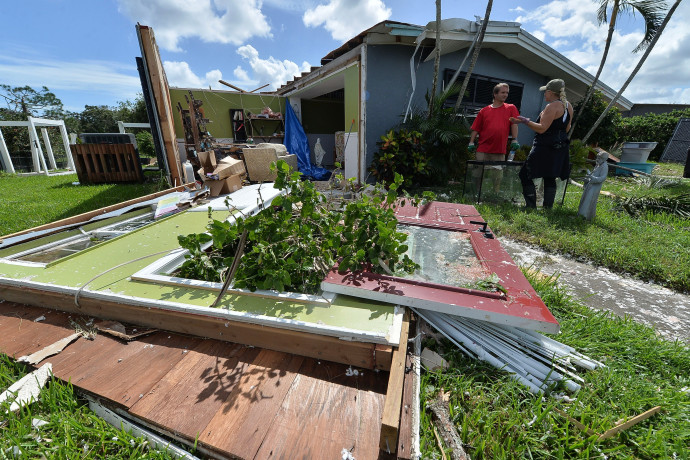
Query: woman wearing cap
x=549, y=157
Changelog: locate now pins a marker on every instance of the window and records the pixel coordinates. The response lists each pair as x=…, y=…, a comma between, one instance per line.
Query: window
x=55, y=247
x=480, y=91
x=455, y=247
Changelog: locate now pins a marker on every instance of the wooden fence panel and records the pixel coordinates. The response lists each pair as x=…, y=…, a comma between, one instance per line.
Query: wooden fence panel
x=99, y=163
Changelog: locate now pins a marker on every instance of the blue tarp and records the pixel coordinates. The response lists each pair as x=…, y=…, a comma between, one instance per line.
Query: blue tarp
x=296, y=143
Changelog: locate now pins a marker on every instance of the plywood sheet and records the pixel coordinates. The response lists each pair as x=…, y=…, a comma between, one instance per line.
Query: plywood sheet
x=187, y=398
x=240, y=425
x=321, y=393
x=19, y=331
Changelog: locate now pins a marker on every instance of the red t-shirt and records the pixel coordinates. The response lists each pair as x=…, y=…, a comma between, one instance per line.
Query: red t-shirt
x=493, y=126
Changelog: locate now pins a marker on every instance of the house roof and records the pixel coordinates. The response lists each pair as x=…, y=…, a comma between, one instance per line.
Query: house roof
x=513, y=42
x=506, y=38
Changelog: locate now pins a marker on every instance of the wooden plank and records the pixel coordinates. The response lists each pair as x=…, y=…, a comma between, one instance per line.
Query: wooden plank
x=365, y=355
x=127, y=378
x=20, y=333
x=240, y=425
x=390, y=420
x=186, y=399
x=326, y=411
x=405, y=431
x=161, y=93
x=633, y=421
x=89, y=215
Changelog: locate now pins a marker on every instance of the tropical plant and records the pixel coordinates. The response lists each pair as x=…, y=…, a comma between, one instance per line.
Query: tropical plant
x=401, y=152
x=292, y=244
x=579, y=153
x=607, y=133
x=445, y=137
x=636, y=69
x=652, y=14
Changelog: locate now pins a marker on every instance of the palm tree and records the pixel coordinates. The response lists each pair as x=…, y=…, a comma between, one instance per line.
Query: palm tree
x=437, y=58
x=652, y=13
x=475, y=55
x=637, y=69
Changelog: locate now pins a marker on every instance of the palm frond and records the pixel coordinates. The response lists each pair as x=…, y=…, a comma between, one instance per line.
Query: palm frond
x=677, y=205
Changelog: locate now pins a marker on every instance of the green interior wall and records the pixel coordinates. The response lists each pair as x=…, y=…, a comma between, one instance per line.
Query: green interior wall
x=161, y=237
x=217, y=105
x=322, y=115
x=351, y=99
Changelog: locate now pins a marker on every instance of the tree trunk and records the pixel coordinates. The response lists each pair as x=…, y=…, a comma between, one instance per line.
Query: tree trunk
x=634, y=72
x=475, y=55
x=437, y=58
x=590, y=90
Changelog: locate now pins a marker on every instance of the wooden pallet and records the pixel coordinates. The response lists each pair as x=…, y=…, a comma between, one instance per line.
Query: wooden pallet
x=100, y=163
x=237, y=401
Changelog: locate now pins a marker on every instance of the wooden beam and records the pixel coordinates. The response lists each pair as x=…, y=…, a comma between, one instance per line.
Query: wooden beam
x=405, y=431
x=257, y=89
x=359, y=354
x=161, y=94
x=390, y=420
x=232, y=86
x=633, y=421
x=88, y=215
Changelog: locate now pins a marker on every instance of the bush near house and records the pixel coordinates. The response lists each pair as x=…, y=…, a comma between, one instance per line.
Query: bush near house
x=401, y=152
x=606, y=133
x=651, y=127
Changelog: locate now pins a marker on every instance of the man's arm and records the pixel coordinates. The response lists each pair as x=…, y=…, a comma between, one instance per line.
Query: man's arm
x=514, y=132
x=473, y=136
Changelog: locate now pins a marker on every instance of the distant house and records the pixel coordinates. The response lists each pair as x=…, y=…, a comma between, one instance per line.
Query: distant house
x=364, y=87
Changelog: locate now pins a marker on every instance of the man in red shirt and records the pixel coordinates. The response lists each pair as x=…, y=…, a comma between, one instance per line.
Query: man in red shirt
x=493, y=125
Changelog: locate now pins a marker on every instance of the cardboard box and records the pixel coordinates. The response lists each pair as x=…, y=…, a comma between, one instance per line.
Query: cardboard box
x=227, y=167
x=207, y=158
x=223, y=186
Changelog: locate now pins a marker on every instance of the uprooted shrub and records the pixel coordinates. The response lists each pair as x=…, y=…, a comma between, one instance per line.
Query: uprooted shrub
x=293, y=243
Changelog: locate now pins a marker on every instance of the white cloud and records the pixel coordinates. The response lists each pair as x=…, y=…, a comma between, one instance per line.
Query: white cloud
x=271, y=70
x=179, y=74
x=572, y=29
x=117, y=80
x=346, y=18
x=213, y=21
x=241, y=74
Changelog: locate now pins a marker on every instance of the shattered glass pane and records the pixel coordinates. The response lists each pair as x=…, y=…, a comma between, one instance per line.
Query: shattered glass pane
x=444, y=257
x=63, y=250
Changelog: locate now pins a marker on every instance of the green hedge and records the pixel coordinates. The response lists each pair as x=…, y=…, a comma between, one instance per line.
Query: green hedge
x=651, y=127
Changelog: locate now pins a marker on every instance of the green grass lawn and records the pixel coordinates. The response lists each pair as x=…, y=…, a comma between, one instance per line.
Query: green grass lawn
x=496, y=417
x=30, y=201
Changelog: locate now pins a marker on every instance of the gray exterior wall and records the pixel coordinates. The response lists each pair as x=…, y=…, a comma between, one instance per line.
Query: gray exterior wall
x=389, y=87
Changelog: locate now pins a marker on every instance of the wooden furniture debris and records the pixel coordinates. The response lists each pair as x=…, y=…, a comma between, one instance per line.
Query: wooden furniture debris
x=100, y=163
x=259, y=159
x=233, y=401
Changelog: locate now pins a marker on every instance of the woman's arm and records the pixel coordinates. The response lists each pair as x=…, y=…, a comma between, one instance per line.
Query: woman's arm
x=546, y=118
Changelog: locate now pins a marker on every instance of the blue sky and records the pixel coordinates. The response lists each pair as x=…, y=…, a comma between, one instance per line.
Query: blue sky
x=84, y=50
